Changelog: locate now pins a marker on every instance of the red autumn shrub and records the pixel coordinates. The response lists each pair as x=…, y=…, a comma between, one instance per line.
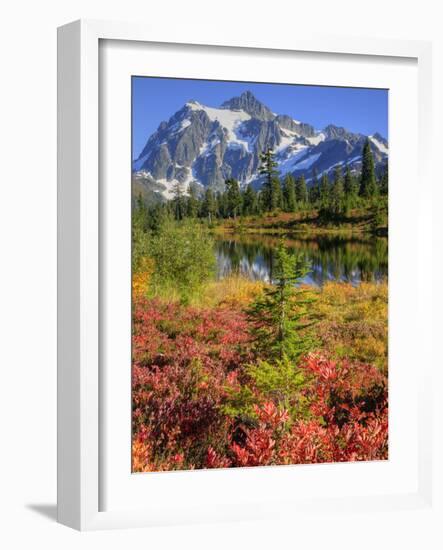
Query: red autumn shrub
x=182, y=360
x=189, y=364
x=349, y=420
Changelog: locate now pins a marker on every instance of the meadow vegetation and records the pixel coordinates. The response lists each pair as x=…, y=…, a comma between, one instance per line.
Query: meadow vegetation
x=233, y=372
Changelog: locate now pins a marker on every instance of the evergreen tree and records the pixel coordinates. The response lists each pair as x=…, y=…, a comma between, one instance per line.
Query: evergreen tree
x=158, y=214
x=289, y=193
x=368, y=182
x=324, y=191
x=337, y=192
x=301, y=191
x=280, y=315
x=314, y=190
x=209, y=205
x=249, y=201
x=384, y=181
x=140, y=214
x=178, y=201
x=223, y=205
x=350, y=190
x=350, y=187
x=192, y=203
x=271, y=189
x=277, y=194
x=233, y=198
x=261, y=202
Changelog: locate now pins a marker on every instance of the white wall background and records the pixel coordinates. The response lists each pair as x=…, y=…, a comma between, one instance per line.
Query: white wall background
x=28, y=253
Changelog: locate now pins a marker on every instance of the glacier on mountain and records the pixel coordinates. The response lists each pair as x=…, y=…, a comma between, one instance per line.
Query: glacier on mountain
x=205, y=145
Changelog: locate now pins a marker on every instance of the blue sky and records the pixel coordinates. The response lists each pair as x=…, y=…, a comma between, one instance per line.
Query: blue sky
x=357, y=109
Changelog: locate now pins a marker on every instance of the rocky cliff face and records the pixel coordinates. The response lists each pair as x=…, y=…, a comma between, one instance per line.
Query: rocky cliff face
x=203, y=146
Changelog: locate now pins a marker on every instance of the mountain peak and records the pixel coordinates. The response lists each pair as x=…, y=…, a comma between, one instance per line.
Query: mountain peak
x=380, y=138
x=193, y=104
x=336, y=132
x=249, y=96
x=202, y=145
x=250, y=104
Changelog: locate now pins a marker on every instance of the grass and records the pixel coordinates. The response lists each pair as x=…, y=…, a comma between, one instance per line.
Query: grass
x=230, y=291
x=352, y=320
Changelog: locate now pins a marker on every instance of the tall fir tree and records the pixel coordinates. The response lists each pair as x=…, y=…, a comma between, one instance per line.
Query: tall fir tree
x=368, y=182
x=290, y=203
x=209, y=206
x=350, y=187
x=277, y=194
x=233, y=198
x=350, y=190
x=222, y=201
x=261, y=202
x=384, y=181
x=337, y=192
x=178, y=201
x=324, y=191
x=192, y=203
x=140, y=214
x=301, y=191
x=314, y=190
x=271, y=188
x=249, y=201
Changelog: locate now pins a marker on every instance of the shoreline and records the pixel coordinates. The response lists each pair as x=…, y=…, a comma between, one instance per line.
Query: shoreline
x=356, y=225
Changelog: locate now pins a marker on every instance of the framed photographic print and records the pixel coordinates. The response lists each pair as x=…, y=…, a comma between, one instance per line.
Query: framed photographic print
x=236, y=327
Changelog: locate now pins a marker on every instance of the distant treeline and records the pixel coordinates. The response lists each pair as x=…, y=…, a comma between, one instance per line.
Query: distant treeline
x=332, y=198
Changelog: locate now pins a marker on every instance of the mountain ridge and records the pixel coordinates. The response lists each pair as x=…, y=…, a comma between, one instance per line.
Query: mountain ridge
x=202, y=146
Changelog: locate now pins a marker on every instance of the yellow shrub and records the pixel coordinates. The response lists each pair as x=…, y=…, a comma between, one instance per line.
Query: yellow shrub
x=140, y=279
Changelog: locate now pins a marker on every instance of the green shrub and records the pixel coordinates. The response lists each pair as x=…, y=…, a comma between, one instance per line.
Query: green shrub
x=281, y=382
x=183, y=254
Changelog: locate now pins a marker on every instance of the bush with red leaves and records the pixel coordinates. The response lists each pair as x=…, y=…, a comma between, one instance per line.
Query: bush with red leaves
x=349, y=420
x=190, y=363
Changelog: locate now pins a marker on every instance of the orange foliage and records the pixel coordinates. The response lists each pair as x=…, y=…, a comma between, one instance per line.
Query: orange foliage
x=140, y=279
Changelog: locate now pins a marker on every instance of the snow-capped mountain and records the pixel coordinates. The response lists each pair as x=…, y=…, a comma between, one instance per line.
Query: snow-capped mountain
x=203, y=146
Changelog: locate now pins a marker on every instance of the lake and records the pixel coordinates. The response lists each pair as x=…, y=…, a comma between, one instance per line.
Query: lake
x=331, y=258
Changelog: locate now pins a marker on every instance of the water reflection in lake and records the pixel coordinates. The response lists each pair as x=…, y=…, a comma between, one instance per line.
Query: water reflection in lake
x=331, y=258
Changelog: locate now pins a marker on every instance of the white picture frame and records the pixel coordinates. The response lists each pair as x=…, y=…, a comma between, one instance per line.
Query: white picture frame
x=80, y=413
